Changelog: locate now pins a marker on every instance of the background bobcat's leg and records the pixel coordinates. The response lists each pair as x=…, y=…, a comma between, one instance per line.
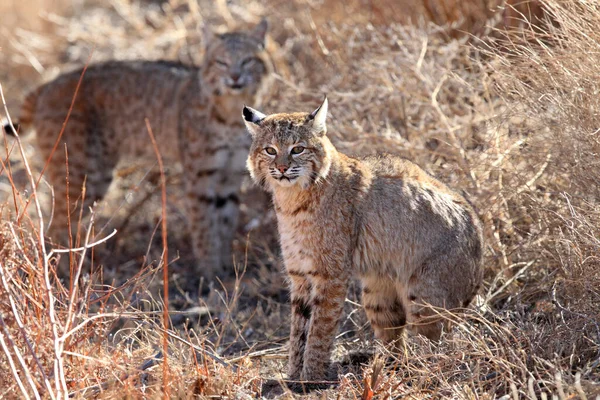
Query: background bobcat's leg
x=327, y=301
x=204, y=159
x=202, y=217
x=384, y=308
x=228, y=210
x=228, y=203
x=300, y=289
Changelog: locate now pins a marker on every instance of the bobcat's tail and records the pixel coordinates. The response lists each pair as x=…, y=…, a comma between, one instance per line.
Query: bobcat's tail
x=26, y=116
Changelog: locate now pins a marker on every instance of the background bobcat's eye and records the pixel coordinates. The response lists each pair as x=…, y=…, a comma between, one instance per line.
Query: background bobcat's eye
x=270, y=151
x=248, y=62
x=297, y=150
x=222, y=63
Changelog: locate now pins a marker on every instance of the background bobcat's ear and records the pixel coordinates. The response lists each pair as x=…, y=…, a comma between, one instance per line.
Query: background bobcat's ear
x=260, y=31
x=252, y=119
x=319, y=117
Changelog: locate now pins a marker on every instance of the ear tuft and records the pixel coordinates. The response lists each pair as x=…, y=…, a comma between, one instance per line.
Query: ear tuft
x=260, y=31
x=252, y=115
x=247, y=114
x=252, y=119
x=319, y=117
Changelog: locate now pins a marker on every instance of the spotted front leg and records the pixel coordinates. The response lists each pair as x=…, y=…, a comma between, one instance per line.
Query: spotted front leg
x=327, y=301
x=301, y=311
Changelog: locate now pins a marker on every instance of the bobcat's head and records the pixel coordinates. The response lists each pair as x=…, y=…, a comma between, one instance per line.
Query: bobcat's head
x=236, y=63
x=288, y=149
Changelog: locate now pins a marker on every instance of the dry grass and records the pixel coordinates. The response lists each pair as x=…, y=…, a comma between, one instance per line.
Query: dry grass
x=516, y=128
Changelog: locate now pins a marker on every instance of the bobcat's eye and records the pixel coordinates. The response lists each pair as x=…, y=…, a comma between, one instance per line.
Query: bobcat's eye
x=297, y=150
x=222, y=63
x=270, y=151
x=248, y=62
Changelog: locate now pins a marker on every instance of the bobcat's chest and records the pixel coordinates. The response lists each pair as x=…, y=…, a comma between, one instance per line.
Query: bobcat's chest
x=297, y=244
x=231, y=144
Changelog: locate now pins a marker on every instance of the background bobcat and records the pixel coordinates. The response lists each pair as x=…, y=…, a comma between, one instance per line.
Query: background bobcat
x=193, y=113
x=412, y=241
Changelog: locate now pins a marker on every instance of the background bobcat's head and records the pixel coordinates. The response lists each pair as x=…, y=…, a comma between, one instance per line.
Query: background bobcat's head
x=235, y=63
x=288, y=149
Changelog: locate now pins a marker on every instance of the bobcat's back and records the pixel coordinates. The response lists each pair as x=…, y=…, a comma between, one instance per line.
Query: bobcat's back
x=116, y=97
x=409, y=218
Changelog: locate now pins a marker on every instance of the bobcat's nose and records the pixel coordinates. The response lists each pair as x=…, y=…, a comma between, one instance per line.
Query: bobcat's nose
x=282, y=168
x=235, y=81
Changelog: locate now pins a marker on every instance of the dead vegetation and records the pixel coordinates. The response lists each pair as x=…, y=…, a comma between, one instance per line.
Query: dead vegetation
x=510, y=119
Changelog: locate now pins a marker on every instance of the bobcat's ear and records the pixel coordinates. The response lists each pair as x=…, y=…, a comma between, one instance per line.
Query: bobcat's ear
x=252, y=119
x=260, y=32
x=318, y=117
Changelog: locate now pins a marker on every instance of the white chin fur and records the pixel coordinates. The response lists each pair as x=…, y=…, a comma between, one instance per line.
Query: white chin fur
x=303, y=181
x=285, y=182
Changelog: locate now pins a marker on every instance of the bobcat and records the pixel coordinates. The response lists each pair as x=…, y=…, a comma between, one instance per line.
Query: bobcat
x=412, y=241
x=193, y=113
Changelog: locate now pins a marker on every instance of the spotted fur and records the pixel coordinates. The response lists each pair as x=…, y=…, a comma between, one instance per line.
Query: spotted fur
x=193, y=114
x=413, y=242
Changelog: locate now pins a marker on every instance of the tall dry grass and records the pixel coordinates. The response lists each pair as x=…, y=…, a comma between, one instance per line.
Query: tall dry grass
x=511, y=121
x=550, y=81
